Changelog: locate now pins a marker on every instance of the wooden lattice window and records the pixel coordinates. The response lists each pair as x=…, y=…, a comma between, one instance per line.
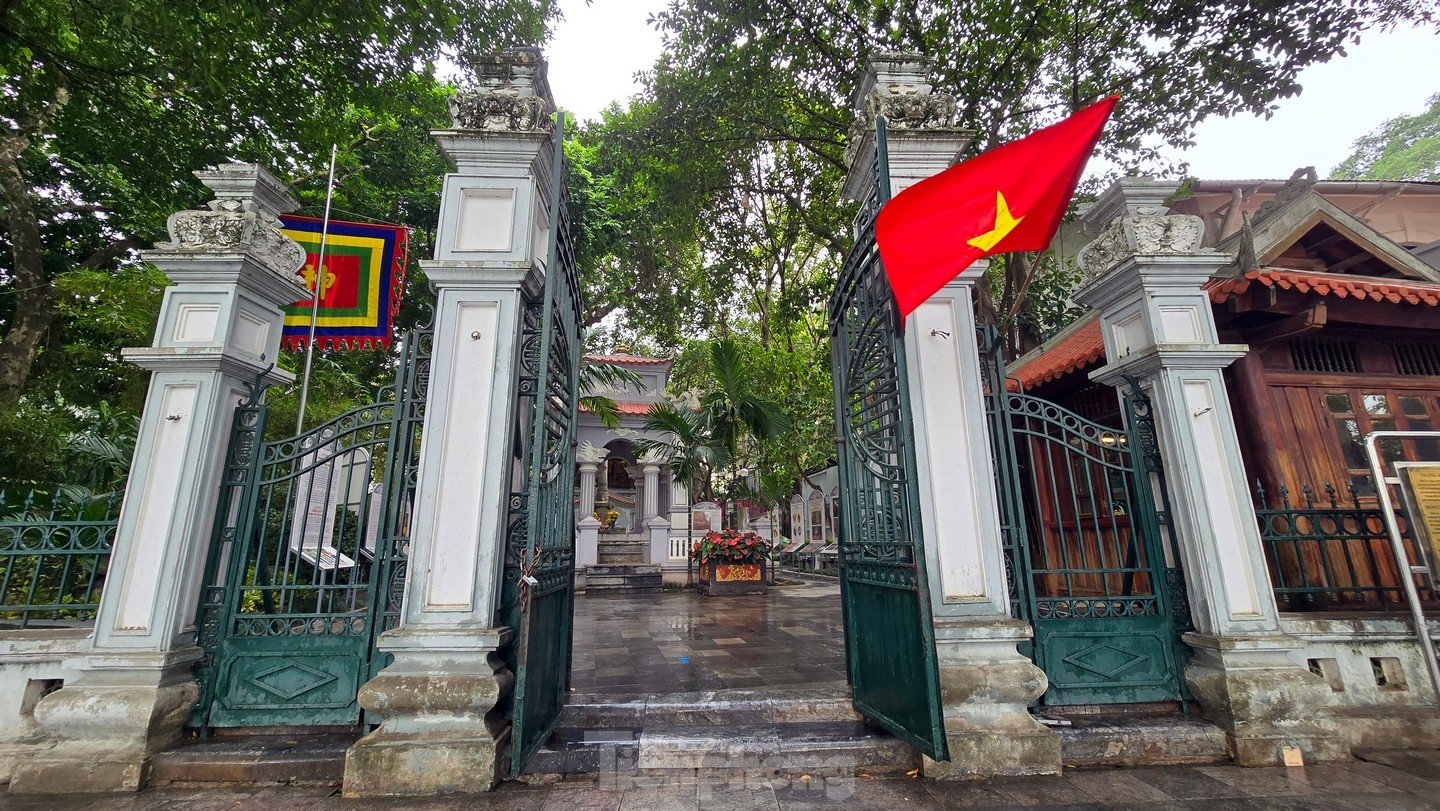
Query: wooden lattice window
x=1417, y=359
x=1324, y=356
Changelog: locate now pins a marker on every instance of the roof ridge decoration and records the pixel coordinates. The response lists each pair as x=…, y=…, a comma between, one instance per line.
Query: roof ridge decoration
x=1306, y=207
x=1149, y=231
x=1301, y=182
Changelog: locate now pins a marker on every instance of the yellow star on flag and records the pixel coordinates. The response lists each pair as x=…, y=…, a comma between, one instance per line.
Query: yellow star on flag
x=1004, y=224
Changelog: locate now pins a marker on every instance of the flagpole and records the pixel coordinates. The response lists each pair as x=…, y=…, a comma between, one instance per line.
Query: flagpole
x=315, y=294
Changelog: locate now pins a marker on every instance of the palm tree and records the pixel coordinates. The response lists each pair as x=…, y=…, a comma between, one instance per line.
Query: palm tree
x=689, y=450
x=733, y=409
x=698, y=442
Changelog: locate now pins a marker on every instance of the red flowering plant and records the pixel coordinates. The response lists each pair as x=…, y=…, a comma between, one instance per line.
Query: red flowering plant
x=731, y=546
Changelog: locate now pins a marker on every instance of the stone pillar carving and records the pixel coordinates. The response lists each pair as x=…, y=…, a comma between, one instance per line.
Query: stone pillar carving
x=651, y=469
x=219, y=329
x=1145, y=274
x=986, y=684
x=591, y=461
x=442, y=727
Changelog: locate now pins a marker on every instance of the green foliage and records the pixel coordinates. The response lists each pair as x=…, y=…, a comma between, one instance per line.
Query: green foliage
x=106, y=109
x=1406, y=147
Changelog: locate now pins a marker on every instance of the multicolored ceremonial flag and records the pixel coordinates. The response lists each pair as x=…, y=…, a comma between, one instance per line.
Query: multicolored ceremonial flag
x=1011, y=198
x=360, y=287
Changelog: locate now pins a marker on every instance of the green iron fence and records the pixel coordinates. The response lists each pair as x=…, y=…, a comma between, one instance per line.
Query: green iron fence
x=54, y=550
x=1327, y=552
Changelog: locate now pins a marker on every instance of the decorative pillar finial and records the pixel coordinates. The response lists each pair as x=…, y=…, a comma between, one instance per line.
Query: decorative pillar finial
x=1148, y=231
x=243, y=218
x=511, y=93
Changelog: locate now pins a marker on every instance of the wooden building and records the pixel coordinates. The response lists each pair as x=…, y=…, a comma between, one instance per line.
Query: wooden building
x=1335, y=289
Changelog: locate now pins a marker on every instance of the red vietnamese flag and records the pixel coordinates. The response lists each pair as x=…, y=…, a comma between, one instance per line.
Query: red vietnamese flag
x=1008, y=199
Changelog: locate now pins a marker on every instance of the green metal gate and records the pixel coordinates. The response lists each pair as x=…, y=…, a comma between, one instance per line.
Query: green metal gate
x=889, y=638
x=307, y=560
x=538, y=597
x=1090, y=553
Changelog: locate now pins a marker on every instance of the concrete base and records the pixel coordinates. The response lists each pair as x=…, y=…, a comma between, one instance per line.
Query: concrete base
x=442, y=730
x=419, y=764
x=105, y=726
x=987, y=687
x=1250, y=688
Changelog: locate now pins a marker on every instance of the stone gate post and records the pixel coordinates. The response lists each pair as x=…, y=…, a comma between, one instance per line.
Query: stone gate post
x=219, y=329
x=986, y=684
x=1145, y=274
x=440, y=701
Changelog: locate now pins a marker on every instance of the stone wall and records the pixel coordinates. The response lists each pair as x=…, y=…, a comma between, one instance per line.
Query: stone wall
x=1380, y=694
x=33, y=664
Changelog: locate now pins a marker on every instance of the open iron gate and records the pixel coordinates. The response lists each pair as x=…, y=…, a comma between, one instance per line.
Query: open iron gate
x=1090, y=554
x=889, y=638
x=538, y=597
x=307, y=560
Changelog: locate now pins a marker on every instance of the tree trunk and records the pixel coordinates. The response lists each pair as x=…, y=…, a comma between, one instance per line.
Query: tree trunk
x=34, y=299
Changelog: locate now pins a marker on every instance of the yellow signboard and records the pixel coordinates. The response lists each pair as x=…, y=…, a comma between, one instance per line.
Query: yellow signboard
x=1420, y=485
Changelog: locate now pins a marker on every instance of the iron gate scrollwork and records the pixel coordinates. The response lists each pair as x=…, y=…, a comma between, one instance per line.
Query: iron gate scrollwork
x=538, y=596
x=890, y=641
x=307, y=559
x=1091, y=561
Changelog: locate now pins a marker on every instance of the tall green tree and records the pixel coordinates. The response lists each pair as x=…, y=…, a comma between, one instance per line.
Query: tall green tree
x=1407, y=147
x=759, y=90
x=105, y=108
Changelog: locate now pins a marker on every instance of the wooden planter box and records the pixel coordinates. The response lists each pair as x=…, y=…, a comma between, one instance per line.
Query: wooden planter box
x=718, y=579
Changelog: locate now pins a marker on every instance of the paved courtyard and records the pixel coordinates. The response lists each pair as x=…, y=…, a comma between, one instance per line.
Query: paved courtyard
x=682, y=641
x=1395, y=780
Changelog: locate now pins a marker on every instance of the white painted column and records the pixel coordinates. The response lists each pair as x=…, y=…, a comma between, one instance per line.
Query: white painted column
x=652, y=489
x=440, y=698
x=986, y=684
x=1145, y=274
x=587, y=488
x=219, y=329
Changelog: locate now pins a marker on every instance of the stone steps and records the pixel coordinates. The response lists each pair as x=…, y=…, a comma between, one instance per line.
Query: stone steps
x=611, y=553
x=759, y=732
x=297, y=757
x=816, y=749
x=627, y=577
x=1117, y=740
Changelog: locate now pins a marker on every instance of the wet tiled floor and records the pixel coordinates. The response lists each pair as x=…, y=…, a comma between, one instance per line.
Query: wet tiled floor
x=1383, y=780
x=682, y=641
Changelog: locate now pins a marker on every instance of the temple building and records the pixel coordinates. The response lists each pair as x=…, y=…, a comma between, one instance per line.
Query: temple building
x=630, y=511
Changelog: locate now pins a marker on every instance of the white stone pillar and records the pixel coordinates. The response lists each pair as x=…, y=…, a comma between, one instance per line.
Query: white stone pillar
x=587, y=542
x=591, y=461
x=440, y=700
x=219, y=329
x=651, y=470
x=986, y=684
x=1145, y=274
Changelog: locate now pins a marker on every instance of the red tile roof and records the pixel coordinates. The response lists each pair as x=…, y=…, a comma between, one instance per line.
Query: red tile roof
x=632, y=360
x=628, y=408
x=1082, y=347
x=1394, y=291
x=1085, y=346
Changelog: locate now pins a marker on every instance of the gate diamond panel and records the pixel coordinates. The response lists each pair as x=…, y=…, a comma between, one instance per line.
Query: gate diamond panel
x=889, y=637
x=307, y=560
x=1083, y=509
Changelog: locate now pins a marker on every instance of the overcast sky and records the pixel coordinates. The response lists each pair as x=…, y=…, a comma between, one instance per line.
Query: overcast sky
x=598, y=48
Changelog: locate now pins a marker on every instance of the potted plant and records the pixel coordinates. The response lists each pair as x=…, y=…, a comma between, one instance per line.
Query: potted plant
x=732, y=562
